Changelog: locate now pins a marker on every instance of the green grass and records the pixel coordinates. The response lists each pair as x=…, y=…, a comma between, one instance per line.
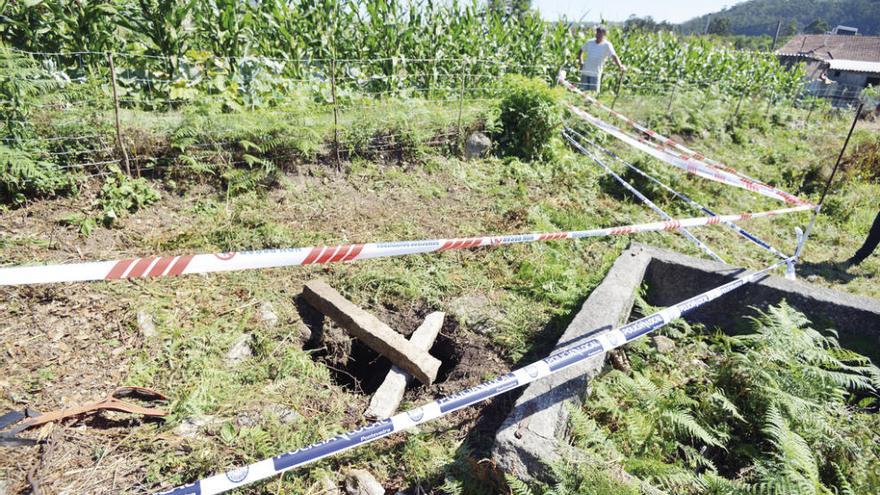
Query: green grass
x=534, y=288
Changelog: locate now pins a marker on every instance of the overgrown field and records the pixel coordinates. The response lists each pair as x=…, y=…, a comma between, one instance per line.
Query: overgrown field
x=66, y=344
x=285, y=125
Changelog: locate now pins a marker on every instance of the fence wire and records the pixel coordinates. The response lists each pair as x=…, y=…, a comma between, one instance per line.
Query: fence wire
x=306, y=94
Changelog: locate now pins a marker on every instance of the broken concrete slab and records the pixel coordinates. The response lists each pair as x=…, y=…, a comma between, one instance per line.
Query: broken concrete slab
x=267, y=314
x=372, y=332
x=386, y=400
x=534, y=430
x=192, y=427
x=327, y=486
x=146, y=325
x=672, y=277
x=663, y=344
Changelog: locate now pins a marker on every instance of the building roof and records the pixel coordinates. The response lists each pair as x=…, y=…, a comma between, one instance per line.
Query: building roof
x=833, y=47
x=854, y=66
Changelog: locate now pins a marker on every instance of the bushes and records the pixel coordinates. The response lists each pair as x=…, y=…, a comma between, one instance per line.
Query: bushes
x=531, y=115
x=24, y=177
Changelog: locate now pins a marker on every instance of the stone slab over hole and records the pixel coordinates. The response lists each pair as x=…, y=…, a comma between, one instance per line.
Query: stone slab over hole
x=359, y=369
x=372, y=331
x=534, y=432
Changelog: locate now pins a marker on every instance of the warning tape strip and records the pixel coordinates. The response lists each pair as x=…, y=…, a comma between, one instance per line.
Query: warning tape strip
x=690, y=202
x=169, y=266
x=550, y=365
x=660, y=138
x=644, y=199
x=682, y=160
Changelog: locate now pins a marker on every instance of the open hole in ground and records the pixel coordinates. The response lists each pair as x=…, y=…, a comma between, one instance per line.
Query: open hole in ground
x=357, y=368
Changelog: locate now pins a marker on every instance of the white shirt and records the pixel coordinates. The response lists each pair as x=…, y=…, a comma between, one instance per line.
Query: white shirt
x=595, y=56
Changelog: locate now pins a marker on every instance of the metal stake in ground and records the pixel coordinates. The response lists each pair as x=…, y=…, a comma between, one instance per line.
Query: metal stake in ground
x=335, y=109
x=461, y=96
x=617, y=91
x=116, y=113
x=852, y=128
x=672, y=98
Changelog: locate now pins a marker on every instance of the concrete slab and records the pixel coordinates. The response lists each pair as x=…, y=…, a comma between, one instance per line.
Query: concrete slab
x=535, y=428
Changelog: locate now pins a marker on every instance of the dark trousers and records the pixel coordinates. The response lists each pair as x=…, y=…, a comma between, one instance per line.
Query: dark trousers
x=870, y=243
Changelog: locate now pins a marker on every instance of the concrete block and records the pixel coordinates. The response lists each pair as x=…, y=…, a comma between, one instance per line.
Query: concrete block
x=372, y=332
x=535, y=429
x=672, y=277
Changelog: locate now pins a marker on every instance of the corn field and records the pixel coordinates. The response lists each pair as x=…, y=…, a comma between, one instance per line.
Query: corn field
x=253, y=53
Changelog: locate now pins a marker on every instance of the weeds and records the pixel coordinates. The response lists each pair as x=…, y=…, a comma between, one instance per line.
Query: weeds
x=531, y=116
x=120, y=195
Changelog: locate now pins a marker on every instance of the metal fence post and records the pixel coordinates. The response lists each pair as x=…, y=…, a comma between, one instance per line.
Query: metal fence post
x=335, y=109
x=119, y=143
x=618, y=90
x=672, y=98
x=463, y=76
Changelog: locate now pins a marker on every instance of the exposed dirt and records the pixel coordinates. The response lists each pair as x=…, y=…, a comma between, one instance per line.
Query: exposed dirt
x=68, y=344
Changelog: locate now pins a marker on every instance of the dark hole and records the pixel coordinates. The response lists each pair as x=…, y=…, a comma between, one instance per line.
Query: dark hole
x=356, y=367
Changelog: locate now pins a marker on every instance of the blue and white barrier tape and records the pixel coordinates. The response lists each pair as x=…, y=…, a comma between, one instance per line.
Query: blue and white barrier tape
x=555, y=363
x=644, y=199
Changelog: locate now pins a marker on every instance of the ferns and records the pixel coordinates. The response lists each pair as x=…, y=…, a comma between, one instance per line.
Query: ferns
x=794, y=463
x=684, y=424
x=517, y=486
x=22, y=176
x=768, y=413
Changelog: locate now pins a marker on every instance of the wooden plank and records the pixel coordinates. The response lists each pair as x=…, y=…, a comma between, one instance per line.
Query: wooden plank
x=387, y=398
x=371, y=331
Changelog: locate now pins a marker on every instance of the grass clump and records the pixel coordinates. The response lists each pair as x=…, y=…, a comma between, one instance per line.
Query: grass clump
x=531, y=115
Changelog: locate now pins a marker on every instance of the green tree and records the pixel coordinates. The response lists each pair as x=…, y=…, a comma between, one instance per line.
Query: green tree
x=720, y=25
x=790, y=29
x=819, y=26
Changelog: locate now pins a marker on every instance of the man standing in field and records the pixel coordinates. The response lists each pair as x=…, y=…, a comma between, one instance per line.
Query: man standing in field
x=597, y=50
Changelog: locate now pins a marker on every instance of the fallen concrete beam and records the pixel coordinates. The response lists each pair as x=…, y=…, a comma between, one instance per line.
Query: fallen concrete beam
x=386, y=400
x=534, y=430
x=372, y=332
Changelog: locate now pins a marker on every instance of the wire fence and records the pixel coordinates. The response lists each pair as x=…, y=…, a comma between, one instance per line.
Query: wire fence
x=442, y=96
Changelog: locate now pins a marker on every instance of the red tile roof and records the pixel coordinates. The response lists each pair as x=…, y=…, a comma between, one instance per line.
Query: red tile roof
x=833, y=47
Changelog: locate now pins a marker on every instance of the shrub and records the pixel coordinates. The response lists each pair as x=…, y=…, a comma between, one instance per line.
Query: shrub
x=23, y=177
x=531, y=115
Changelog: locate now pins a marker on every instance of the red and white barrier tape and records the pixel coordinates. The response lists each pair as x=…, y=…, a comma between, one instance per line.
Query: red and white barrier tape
x=690, y=202
x=638, y=194
x=689, y=161
x=168, y=266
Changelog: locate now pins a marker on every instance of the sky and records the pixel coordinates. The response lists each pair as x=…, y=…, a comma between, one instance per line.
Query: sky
x=619, y=10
